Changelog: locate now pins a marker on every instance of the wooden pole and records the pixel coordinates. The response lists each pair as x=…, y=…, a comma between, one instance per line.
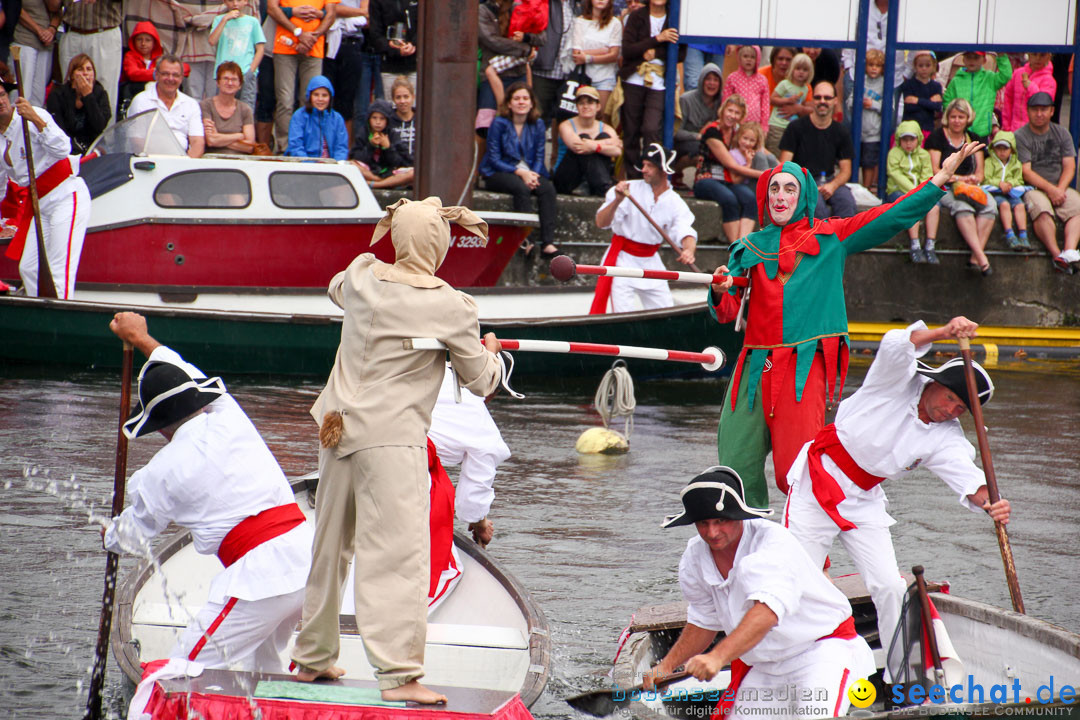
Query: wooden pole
x=660, y=230
x=112, y=562
x=45, y=285
x=928, y=623
x=991, y=478
x=446, y=154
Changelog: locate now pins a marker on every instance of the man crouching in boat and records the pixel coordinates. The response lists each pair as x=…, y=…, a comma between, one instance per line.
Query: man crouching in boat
x=217, y=478
x=64, y=200
x=374, y=415
x=785, y=623
x=904, y=416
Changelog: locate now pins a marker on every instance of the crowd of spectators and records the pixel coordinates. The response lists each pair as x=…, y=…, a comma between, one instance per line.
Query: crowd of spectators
x=569, y=92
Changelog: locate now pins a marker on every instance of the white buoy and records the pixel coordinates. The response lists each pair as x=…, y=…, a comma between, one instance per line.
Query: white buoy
x=600, y=440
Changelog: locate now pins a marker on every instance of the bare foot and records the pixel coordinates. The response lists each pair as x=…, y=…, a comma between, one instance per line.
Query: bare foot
x=307, y=675
x=415, y=692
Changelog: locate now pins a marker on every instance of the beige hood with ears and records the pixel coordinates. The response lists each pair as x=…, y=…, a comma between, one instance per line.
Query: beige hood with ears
x=420, y=232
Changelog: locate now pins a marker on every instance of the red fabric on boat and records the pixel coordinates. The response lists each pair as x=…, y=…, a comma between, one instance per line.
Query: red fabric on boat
x=251, y=532
x=441, y=518
x=47, y=181
x=177, y=706
x=602, y=293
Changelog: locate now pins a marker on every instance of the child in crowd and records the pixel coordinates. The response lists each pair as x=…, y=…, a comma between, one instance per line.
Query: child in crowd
x=906, y=166
x=790, y=92
x=1036, y=75
x=1004, y=180
x=144, y=48
x=402, y=128
x=922, y=92
x=749, y=151
x=873, y=88
x=316, y=130
x=239, y=38
x=979, y=87
x=517, y=19
x=752, y=87
x=381, y=162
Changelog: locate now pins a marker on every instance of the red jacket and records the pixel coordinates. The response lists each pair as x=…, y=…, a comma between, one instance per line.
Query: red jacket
x=134, y=67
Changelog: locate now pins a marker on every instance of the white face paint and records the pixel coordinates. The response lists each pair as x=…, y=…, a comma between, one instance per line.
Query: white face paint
x=784, y=192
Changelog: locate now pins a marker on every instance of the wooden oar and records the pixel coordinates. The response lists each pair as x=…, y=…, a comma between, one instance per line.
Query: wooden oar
x=991, y=478
x=601, y=703
x=711, y=358
x=112, y=562
x=563, y=268
x=45, y=286
x=928, y=622
x=660, y=230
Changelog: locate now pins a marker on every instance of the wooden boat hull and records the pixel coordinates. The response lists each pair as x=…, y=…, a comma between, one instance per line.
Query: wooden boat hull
x=76, y=334
x=488, y=636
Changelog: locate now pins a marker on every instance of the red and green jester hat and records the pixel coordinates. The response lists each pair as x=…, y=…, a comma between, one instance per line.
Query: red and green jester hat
x=796, y=324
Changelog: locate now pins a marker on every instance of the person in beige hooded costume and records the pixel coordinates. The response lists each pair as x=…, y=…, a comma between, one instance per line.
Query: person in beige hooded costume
x=375, y=411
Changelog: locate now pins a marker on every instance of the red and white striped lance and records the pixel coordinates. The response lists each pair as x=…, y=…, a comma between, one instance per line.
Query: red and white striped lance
x=711, y=358
x=563, y=268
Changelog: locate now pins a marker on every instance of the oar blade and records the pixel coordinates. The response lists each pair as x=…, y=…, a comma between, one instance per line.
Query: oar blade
x=598, y=703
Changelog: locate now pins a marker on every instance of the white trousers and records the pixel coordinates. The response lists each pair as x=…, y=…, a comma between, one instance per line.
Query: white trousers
x=65, y=215
x=625, y=292
x=103, y=49
x=824, y=673
x=252, y=635
x=870, y=548
x=36, y=66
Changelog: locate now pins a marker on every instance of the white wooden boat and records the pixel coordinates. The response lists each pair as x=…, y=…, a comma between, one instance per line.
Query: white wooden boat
x=487, y=648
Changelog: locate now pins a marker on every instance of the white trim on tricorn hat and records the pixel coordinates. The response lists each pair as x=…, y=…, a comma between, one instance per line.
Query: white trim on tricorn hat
x=706, y=498
x=169, y=393
x=658, y=156
x=951, y=375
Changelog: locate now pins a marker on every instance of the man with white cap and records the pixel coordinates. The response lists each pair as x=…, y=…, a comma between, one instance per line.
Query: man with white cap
x=374, y=415
x=217, y=478
x=785, y=624
x=904, y=416
x=635, y=242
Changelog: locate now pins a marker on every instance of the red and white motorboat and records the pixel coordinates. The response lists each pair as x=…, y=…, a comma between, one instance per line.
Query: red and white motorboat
x=163, y=220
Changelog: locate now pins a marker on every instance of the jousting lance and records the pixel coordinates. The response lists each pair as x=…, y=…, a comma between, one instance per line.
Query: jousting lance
x=711, y=358
x=563, y=268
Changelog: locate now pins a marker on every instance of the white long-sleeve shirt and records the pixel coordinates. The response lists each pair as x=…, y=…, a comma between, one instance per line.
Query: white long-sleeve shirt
x=880, y=428
x=465, y=434
x=49, y=147
x=215, y=472
x=770, y=567
x=669, y=211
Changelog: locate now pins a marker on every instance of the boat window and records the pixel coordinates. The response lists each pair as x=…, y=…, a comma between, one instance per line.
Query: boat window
x=312, y=190
x=225, y=189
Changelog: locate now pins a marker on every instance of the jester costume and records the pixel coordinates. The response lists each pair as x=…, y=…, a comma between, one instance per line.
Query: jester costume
x=796, y=327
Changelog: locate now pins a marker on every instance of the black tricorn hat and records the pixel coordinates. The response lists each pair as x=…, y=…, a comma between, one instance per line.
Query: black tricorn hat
x=718, y=494
x=167, y=394
x=661, y=158
x=951, y=375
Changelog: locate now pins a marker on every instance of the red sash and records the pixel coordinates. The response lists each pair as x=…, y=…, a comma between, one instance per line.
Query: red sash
x=441, y=518
x=739, y=669
x=46, y=183
x=603, y=283
x=253, y=531
x=826, y=489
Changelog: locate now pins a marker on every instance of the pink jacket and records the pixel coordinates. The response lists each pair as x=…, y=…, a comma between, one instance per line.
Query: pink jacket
x=1014, y=103
x=754, y=89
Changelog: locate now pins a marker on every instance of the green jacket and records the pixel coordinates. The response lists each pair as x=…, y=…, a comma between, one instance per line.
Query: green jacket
x=980, y=89
x=994, y=172
x=904, y=171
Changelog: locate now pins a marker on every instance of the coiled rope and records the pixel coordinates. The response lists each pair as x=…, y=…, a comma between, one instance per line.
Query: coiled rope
x=615, y=397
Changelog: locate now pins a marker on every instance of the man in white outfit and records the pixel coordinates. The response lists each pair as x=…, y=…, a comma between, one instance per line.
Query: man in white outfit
x=785, y=624
x=635, y=242
x=904, y=416
x=63, y=198
x=217, y=478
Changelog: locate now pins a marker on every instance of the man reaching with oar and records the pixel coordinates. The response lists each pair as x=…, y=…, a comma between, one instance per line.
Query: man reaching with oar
x=217, y=478
x=785, y=624
x=904, y=416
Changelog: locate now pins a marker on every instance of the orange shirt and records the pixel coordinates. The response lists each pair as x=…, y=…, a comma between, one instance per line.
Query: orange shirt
x=766, y=72
x=285, y=41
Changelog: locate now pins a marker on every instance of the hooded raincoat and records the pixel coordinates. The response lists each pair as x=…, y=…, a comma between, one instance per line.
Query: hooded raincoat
x=796, y=327
x=1014, y=103
x=136, y=68
x=905, y=170
x=996, y=172
x=754, y=89
x=310, y=129
x=980, y=89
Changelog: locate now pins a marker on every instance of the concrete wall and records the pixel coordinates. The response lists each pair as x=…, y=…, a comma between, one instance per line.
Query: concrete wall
x=882, y=285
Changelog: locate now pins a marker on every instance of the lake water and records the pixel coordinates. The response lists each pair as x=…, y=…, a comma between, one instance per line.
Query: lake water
x=580, y=532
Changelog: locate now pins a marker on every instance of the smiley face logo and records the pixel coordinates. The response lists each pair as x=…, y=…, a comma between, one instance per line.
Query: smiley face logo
x=862, y=693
